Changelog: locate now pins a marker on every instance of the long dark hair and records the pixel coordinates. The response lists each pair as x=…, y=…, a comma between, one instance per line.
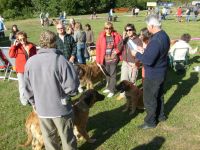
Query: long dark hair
x=14, y=32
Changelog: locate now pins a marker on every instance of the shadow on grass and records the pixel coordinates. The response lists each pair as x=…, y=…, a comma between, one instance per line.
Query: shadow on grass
x=106, y=124
x=183, y=88
x=155, y=144
x=195, y=59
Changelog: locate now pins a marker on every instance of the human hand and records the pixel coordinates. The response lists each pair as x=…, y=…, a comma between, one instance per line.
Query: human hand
x=133, y=53
x=16, y=42
x=124, y=35
x=140, y=49
x=72, y=59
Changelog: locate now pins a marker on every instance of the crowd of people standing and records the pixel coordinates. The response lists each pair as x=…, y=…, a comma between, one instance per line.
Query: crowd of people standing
x=57, y=54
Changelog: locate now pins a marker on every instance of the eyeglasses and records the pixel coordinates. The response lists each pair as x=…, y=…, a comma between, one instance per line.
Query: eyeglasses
x=129, y=30
x=106, y=28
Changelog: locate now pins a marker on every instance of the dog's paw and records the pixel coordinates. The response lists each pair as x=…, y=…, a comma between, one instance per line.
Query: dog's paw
x=91, y=140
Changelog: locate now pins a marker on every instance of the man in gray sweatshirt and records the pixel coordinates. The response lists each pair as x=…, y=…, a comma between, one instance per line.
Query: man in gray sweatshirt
x=50, y=80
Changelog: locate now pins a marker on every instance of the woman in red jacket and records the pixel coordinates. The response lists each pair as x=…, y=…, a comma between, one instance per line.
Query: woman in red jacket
x=21, y=50
x=108, y=54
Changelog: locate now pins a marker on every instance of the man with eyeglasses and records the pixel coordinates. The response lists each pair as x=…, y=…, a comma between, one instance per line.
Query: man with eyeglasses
x=155, y=63
x=65, y=43
x=129, y=68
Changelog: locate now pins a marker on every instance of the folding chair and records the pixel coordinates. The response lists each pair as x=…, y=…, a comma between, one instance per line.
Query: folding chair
x=3, y=68
x=180, y=58
x=11, y=63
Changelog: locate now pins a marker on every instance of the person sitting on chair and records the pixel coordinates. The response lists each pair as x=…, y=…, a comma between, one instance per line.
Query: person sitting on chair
x=181, y=44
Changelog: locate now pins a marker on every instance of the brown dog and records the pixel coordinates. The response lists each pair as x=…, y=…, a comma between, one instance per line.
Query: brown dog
x=134, y=96
x=89, y=74
x=34, y=133
x=81, y=114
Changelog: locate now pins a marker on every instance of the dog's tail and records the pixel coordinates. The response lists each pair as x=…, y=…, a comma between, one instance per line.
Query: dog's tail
x=28, y=141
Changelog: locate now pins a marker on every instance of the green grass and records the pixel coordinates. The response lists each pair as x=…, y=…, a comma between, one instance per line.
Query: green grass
x=114, y=129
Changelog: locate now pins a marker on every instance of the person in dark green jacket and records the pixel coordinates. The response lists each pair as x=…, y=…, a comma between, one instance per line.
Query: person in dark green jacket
x=65, y=43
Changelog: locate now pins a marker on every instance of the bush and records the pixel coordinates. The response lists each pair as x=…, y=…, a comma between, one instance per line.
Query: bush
x=10, y=13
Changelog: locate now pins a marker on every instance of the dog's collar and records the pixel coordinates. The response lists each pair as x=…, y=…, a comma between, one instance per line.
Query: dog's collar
x=82, y=105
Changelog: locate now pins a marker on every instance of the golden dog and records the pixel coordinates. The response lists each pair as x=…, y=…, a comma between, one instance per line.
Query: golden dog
x=134, y=96
x=34, y=133
x=89, y=74
x=81, y=108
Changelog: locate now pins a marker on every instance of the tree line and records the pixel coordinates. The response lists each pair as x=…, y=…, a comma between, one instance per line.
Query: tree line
x=30, y=8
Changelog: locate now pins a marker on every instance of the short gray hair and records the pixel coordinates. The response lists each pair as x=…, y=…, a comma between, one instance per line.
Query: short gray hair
x=48, y=39
x=153, y=20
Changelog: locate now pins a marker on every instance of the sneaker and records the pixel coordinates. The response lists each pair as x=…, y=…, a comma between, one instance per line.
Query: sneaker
x=110, y=95
x=24, y=102
x=145, y=126
x=80, y=89
x=106, y=91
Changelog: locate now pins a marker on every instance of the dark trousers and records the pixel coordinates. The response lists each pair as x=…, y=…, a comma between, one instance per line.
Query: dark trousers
x=153, y=100
x=111, y=68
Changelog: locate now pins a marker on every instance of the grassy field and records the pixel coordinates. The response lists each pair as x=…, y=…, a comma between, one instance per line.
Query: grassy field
x=114, y=129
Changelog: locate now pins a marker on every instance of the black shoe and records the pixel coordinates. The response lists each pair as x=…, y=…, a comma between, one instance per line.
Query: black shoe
x=162, y=119
x=145, y=126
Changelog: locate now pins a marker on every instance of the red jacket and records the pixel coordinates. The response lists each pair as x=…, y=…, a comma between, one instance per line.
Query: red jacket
x=21, y=55
x=101, y=46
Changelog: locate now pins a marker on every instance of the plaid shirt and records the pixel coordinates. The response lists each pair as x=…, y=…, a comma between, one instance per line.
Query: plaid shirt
x=68, y=47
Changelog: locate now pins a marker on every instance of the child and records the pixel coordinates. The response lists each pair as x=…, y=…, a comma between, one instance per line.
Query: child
x=145, y=36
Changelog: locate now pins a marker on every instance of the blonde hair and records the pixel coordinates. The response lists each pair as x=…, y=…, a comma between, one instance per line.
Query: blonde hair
x=47, y=39
x=108, y=23
x=68, y=26
x=21, y=33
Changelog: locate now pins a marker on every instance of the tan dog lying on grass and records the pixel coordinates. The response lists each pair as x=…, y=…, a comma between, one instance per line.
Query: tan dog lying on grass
x=134, y=96
x=81, y=108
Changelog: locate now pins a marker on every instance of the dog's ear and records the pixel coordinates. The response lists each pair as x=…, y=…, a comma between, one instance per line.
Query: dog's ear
x=99, y=96
x=122, y=86
x=125, y=85
x=80, y=71
x=87, y=97
x=91, y=96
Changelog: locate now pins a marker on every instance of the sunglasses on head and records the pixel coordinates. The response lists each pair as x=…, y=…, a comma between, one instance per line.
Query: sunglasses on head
x=129, y=30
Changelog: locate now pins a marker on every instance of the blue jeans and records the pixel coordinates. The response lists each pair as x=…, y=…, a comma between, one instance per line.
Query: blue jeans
x=80, y=53
x=188, y=18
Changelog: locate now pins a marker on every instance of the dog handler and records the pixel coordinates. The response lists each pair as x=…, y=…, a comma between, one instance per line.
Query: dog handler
x=49, y=81
x=155, y=62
